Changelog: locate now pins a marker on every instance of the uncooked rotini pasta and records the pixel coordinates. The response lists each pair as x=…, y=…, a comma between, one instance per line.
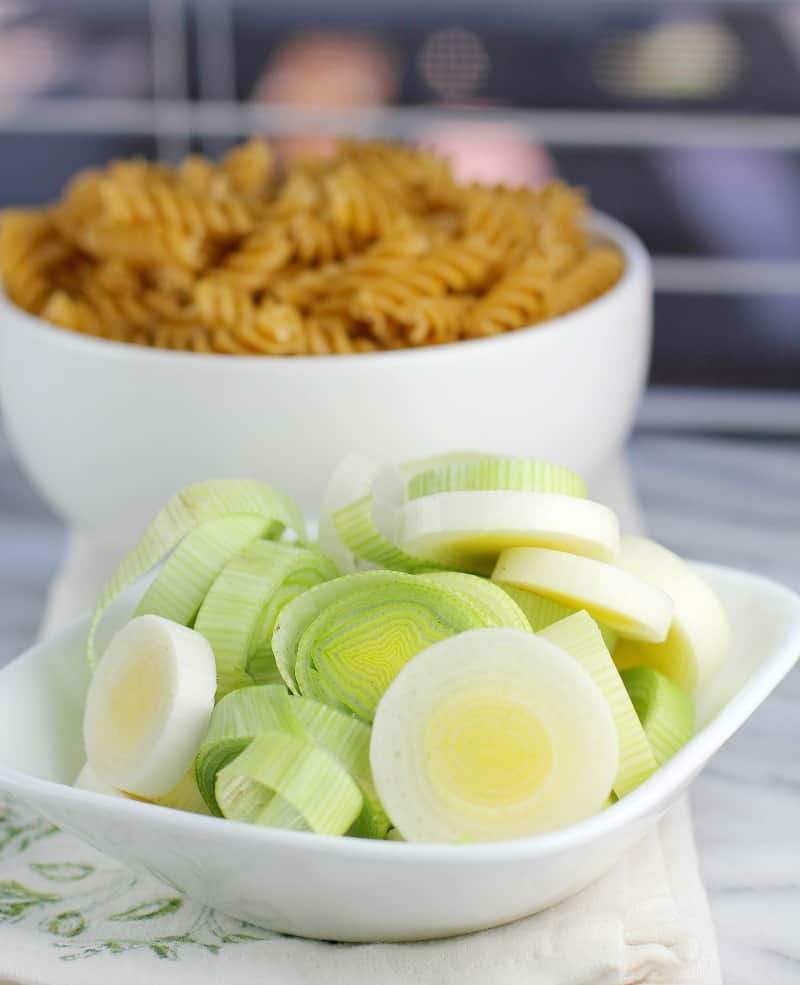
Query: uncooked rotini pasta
x=376, y=247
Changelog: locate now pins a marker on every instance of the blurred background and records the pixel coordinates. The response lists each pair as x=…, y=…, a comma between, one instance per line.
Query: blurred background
x=680, y=118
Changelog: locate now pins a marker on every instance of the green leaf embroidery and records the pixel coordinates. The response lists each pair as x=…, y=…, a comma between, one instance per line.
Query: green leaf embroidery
x=153, y=908
x=16, y=900
x=67, y=924
x=63, y=871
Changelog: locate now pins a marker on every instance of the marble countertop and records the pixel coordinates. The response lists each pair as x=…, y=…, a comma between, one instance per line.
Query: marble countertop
x=731, y=500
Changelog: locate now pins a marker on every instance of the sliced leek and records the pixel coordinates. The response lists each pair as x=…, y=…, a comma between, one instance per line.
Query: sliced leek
x=580, y=636
x=178, y=590
x=468, y=530
x=350, y=482
x=148, y=706
x=665, y=710
x=185, y=796
x=542, y=612
x=371, y=626
x=497, y=474
x=243, y=715
x=240, y=610
x=628, y=604
x=700, y=636
x=490, y=735
x=237, y=719
x=87, y=779
x=187, y=509
x=279, y=769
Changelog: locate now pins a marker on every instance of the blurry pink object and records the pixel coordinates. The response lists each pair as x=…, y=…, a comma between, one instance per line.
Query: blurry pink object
x=494, y=153
x=326, y=71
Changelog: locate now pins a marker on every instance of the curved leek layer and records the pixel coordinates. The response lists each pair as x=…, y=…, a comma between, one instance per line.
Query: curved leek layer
x=178, y=590
x=243, y=715
x=580, y=636
x=665, y=711
x=542, y=612
x=187, y=509
x=468, y=530
x=700, y=636
x=185, y=796
x=357, y=528
x=350, y=482
x=369, y=627
x=279, y=769
x=490, y=735
x=496, y=474
x=630, y=606
x=240, y=610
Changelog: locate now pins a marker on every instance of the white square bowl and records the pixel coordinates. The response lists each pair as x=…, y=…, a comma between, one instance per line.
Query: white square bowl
x=348, y=889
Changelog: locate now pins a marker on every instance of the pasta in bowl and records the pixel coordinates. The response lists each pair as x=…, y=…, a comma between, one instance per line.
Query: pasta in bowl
x=109, y=419
x=375, y=248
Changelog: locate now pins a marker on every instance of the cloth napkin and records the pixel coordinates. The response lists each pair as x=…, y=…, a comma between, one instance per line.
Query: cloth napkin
x=70, y=916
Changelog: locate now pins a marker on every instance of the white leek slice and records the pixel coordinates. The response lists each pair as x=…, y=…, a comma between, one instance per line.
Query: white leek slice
x=580, y=636
x=490, y=735
x=87, y=779
x=700, y=637
x=542, y=612
x=303, y=775
x=665, y=710
x=148, y=706
x=370, y=628
x=468, y=530
x=239, y=612
x=179, y=588
x=187, y=509
x=630, y=606
x=497, y=474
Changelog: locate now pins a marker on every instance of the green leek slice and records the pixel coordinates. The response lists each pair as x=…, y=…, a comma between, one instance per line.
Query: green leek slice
x=350, y=482
x=178, y=590
x=490, y=735
x=279, y=769
x=580, y=636
x=362, y=629
x=664, y=709
x=187, y=509
x=239, y=612
x=244, y=714
x=236, y=720
x=542, y=612
x=468, y=530
x=495, y=474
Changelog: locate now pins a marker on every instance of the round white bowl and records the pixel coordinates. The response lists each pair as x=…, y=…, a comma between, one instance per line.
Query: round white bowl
x=108, y=431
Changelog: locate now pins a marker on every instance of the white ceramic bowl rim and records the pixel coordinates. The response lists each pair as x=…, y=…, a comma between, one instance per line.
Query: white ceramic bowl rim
x=636, y=262
x=645, y=797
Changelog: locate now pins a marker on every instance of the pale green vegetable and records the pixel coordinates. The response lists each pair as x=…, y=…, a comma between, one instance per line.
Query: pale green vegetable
x=185, y=511
x=178, y=590
x=542, y=612
x=279, y=770
x=665, y=710
x=185, y=796
x=489, y=474
x=239, y=612
x=244, y=714
x=580, y=636
x=489, y=735
x=356, y=526
x=351, y=636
